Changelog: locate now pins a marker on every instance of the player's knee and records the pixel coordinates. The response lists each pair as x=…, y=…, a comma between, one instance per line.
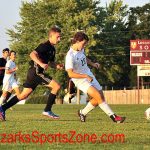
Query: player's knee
x=94, y=102
x=22, y=97
x=57, y=87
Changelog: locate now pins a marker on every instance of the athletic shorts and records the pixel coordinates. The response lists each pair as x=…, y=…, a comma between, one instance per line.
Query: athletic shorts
x=34, y=79
x=9, y=85
x=83, y=84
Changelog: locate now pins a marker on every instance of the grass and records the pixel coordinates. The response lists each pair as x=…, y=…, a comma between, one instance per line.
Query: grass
x=27, y=118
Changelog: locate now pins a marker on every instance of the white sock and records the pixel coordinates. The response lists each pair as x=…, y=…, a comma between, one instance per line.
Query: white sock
x=87, y=109
x=2, y=100
x=104, y=106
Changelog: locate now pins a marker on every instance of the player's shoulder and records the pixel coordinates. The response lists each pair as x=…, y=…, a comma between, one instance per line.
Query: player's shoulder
x=10, y=61
x=70, y=55
x=2, y=59
x=70, y=52
x=46, y=46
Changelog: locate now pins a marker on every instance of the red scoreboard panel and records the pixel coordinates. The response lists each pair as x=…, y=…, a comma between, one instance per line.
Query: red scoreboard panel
x=139, y=52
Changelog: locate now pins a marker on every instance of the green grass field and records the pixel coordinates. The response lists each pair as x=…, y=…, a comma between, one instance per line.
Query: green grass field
x=27, y=119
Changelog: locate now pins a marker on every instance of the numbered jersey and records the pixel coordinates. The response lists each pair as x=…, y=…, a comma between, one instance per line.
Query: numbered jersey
x=76, y=60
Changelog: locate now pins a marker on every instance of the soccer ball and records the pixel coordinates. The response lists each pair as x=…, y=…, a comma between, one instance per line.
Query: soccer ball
x=147, y=114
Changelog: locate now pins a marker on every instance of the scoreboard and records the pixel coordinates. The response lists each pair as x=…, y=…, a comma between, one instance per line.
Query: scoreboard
x=139, y=52
x=139, y=58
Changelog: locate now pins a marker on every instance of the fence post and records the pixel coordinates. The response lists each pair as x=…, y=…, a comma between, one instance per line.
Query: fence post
x=78, y=96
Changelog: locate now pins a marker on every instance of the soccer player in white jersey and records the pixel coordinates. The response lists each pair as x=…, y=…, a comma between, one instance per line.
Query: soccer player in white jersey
x=9, y=81
x=77, y=68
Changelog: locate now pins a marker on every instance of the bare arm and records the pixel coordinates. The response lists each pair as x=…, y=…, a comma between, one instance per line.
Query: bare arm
x=2, y=68
x=96, y=65
x=89, y=62
x=73, y=74
x=56, y=66
x=9, y=71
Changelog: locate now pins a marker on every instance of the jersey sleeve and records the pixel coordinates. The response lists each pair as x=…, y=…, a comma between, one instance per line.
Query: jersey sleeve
x=69, y=62
x=8, y=65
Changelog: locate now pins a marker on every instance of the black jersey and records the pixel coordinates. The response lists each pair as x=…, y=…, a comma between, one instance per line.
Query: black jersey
x=46, y=53
x=2, y=64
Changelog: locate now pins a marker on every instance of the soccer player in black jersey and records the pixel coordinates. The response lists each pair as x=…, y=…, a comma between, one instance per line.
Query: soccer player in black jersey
x=3, y=61
x=40, y=59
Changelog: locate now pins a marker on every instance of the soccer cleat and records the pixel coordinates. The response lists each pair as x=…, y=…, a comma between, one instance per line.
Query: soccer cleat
x=82, y=117
x=2, y=114
x=117, y=119
x=50, y=114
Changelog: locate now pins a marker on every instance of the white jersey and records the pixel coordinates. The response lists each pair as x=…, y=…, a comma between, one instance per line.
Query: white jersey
x=76, y=60
x=9, y=77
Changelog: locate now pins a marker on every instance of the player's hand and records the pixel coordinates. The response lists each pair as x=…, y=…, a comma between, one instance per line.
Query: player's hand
x=44, y=66
x=89, y=78
x=60, y=66
x=96, y=65
x=16, y=68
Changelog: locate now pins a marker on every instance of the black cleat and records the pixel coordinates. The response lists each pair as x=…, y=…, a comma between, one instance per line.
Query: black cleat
x=82, y=117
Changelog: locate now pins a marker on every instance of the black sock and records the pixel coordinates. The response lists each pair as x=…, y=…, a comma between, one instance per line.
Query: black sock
x=113, y=117
x=7, y=97
x=50, y=102
x=10, y=103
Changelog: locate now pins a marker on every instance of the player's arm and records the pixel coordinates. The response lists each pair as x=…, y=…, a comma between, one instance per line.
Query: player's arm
x=35, y=58
x=2, y=68
x=56, y=66
x=9, y=71
x=96, y=65
x=73, y=74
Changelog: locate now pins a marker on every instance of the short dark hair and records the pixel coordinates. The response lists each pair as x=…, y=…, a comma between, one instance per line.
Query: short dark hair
x=79, y=36
x=5, y=50
x=12, y=51
x=55, y=29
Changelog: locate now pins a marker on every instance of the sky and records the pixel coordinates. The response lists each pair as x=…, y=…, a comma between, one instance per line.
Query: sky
x=9, y=16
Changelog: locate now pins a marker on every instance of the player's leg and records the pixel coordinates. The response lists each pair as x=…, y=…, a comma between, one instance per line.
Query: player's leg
x=24, y=94
x=98, y=96
x=54, y=86
x=5, y=89
x=17, y=91
x=89, y=107
x=14, y=100
x=94, y=90
x=15, y=88
x=3, y=97
x=9, y=93
x=71, y=90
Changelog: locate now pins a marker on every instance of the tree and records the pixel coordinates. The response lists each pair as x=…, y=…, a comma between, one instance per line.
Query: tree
x=39, y=16
x=112, y=46
x=138, y=26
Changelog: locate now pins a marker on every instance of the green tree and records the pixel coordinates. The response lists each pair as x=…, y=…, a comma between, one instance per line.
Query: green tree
x=112, y=47
x=138, y=26
x=39, y=16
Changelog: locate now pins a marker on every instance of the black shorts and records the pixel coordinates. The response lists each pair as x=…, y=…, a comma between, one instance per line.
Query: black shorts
x=34, y=79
